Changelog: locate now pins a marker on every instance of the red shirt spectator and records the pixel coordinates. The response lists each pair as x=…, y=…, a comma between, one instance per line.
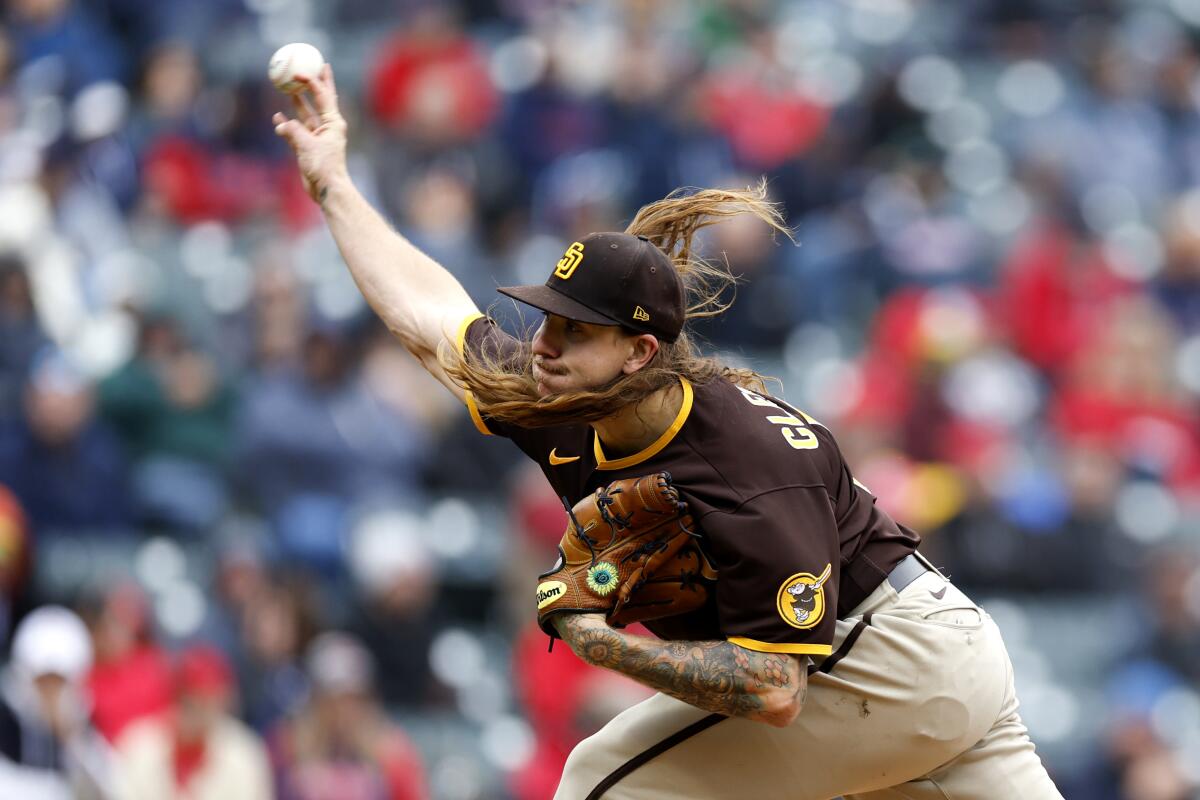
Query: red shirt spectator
x=430, y=81
x=197, y=751
x=1056, y=290
x=131, y=678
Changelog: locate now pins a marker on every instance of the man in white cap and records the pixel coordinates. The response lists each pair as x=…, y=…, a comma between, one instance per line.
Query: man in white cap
x=47, y=748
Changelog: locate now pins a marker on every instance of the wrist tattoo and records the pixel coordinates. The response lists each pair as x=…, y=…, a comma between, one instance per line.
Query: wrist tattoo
x=715, y=676
x=603, y=648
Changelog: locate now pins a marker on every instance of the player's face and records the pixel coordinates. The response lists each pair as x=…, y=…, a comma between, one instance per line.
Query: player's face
x=570, y=355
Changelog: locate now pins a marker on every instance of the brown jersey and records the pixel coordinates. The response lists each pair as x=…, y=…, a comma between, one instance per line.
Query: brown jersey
x=797, y=542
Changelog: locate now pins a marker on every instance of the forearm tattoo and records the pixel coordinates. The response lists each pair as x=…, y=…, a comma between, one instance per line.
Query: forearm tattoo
x=715, y=676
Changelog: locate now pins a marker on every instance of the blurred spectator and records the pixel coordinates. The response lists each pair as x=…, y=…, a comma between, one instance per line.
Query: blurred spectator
x=21, y=336
x=341, y=745
x=1172, y=635
x=1178, y=288
x=240, y=579
x=170, y=87
x=16, y=549
x=48, y=750
x=146, y=23
x=1138, y=765
x=1057, y=289
x=191, y=182
x=548, y=122
x=765, y=309
x=751, y=101
x=277, y=314
x=131, y=677
x=197, y=750
x=430, y=84
x=66, y=466
x=174, y=411
x=68, y=41
x=316, y=439
x=440, y=209
x=1121, y=390
x=1135, y=762
x=277, y=622
x=395, y=614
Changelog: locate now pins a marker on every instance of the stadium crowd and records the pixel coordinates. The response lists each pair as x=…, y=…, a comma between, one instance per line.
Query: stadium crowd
x=249, y=549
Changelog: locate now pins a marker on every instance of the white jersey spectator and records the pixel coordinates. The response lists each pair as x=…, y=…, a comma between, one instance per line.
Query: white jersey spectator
x=48, y=750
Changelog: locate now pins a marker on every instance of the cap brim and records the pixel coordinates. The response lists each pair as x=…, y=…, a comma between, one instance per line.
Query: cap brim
x=546, y=299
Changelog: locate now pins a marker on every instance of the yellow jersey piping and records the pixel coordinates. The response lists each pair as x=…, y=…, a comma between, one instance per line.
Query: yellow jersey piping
x=773, y=647
x=460, y=339
x=460, y=343
x=662, y=441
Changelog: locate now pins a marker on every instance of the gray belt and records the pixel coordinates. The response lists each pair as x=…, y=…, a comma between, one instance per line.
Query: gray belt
x=911, y=567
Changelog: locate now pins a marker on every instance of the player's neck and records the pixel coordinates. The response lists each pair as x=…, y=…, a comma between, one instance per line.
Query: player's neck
x=638, y=425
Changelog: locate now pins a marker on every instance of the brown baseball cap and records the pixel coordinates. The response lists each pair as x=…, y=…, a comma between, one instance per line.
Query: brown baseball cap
x=612, y=279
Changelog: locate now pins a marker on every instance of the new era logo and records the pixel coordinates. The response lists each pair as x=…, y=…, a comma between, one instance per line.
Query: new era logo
x=640, y=314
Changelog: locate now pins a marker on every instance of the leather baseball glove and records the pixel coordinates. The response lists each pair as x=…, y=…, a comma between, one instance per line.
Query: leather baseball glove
x=630, y=551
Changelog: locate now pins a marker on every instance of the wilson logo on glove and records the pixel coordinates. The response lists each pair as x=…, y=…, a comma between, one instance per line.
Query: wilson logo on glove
x=549, y=591
x=629, y=552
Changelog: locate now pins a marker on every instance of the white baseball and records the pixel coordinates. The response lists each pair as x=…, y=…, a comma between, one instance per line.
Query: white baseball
x=293, y=61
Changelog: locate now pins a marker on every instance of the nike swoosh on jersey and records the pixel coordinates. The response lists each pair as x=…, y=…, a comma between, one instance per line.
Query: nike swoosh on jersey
x=939, y=593
x=557, y=459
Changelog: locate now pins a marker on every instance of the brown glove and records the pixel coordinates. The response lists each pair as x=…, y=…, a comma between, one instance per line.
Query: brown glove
x=629, y=552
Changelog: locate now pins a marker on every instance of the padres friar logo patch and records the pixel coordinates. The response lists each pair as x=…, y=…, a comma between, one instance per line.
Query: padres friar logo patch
x=570, y=260
x=801, y=598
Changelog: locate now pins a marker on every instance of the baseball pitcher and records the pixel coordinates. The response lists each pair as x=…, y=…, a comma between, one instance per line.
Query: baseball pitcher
x=804, y=649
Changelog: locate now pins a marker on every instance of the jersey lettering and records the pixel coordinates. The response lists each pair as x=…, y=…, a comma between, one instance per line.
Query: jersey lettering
x=795, y=431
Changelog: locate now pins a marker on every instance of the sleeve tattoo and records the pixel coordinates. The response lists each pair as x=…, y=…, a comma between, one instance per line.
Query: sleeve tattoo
x=715, y=676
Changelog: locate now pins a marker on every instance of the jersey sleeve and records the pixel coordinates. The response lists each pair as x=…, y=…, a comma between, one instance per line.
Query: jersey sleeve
x=478, y=335
x=778, y=556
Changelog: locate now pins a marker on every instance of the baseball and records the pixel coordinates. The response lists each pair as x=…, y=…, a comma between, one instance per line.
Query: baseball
x=293, y=61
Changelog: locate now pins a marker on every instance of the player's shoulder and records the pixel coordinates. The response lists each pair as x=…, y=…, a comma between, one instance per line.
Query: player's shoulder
x=742, y=411
x=752, y=433
x=479, y=334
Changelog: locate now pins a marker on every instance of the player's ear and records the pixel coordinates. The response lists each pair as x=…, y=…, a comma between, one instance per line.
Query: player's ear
x=643, y=348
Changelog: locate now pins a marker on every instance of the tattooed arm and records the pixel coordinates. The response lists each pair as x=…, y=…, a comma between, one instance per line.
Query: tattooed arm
x=714, y=676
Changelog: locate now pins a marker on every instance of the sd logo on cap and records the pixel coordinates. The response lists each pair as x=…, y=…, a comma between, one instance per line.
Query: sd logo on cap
x=612, y=279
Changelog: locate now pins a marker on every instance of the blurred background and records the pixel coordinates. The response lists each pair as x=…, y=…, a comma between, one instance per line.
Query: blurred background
x=249, y=549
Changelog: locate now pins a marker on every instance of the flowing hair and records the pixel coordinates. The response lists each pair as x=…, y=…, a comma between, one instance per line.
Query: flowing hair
x=503, y=385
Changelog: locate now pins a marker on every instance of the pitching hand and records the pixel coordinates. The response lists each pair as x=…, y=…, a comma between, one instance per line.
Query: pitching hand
x=317, y=135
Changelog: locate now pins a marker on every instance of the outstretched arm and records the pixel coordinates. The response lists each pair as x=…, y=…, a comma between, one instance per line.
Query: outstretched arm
x=419, y=301
x=715, y=676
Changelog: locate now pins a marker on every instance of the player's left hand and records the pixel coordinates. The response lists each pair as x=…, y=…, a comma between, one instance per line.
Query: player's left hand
x=628, y=552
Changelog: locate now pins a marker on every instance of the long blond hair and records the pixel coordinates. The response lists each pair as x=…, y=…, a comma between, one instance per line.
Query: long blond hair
x=503, y=385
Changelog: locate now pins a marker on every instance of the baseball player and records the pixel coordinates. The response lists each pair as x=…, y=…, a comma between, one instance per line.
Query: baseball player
x=830, y=658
